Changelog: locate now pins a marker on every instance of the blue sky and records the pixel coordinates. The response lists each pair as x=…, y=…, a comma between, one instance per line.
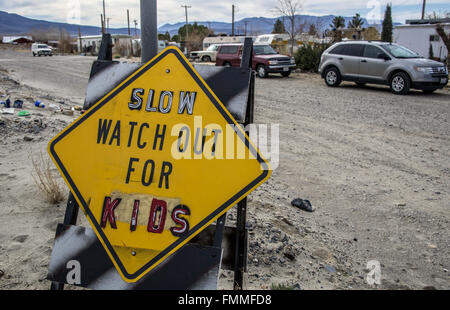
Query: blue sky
x=170, y=11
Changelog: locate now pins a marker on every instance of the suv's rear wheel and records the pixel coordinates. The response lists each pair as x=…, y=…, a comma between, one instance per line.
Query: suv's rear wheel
x=206, y=59
x=262, y=71
x=333, y=77
x=400, y=83
x=227, y=64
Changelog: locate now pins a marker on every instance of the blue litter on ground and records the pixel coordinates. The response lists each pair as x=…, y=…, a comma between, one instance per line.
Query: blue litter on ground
x=18, y=104
x=39, y=104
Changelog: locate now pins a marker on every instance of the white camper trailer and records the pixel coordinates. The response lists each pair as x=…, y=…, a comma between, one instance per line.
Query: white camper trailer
x=207, y=42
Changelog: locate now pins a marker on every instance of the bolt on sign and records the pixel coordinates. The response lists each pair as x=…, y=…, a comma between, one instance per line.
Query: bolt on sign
x=156, y=161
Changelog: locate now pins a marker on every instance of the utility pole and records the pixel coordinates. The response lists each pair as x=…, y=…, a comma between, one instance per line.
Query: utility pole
x=128, y=17
x=186, y=7
x=79, y=38
x=246, y=23
x=61, y=47
x=149, y=30
x=103, y=24
x=135, y=27
x=232, y=21
x=104, y=15
x=107, y=24
x=423, y=8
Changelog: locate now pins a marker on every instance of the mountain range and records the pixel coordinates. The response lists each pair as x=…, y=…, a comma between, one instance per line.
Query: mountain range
x=14, y=24
x=262, y=25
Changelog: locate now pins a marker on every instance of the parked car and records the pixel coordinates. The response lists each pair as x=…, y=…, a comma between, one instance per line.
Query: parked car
x=265, y=59
x=161, y=46
x=206, y=56
x=381, y=63
x=41, y=50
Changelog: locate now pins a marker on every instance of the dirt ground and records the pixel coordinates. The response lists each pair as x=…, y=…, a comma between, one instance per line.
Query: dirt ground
x=376, y=167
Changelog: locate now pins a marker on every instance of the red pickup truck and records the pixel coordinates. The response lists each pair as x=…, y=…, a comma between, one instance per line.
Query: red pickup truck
x=265, y=59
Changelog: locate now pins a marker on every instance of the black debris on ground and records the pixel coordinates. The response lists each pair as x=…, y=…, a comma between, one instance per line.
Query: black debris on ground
x=302, y=204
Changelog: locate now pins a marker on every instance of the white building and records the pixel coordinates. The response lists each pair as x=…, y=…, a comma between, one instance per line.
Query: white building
x=418, y=35
x=16, y=39
x=91, y=44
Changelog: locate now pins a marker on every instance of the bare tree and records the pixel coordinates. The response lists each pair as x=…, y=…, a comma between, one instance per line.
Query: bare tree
x=438, y=15
x=43, y=35
x=319, y=26
x=446, y=39
x=289, y=9
x=65, y=42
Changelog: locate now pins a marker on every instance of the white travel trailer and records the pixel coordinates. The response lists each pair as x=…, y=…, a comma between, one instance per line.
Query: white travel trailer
x=207, y=42
x=418, y=35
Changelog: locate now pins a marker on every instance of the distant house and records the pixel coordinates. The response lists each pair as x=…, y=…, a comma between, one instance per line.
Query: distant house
x=419, y=35
x=17, y=39
x=91, y=44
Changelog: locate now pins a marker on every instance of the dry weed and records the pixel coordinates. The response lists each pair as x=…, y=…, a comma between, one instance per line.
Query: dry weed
x=46, y=179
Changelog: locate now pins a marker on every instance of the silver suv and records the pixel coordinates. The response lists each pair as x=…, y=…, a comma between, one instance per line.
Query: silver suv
x=381, y=63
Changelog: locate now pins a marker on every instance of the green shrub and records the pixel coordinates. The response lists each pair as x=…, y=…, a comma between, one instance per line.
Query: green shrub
x=308, y=57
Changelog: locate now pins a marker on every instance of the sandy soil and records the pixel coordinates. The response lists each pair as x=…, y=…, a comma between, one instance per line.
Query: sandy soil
x=376, y=166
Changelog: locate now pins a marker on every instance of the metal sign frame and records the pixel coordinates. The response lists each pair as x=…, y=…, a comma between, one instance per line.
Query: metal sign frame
x=241, y=234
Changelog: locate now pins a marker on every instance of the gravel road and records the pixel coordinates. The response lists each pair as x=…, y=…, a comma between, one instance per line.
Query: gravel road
x=65, y=76
x=376, y=166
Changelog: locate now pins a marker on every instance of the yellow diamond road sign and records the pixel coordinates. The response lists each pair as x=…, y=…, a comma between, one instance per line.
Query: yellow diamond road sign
x=156, y=161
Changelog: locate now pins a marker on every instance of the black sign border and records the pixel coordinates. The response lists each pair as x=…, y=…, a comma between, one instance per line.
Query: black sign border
x=198, y=227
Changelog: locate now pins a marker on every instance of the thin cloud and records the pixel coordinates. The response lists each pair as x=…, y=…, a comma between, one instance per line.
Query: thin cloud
x=170, y=11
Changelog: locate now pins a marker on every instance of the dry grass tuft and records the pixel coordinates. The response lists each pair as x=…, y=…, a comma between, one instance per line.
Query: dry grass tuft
x=46, y=179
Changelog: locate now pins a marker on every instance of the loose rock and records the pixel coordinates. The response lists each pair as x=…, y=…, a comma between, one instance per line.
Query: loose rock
x=289, y=254
x=304, y=205
x=21, y=238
